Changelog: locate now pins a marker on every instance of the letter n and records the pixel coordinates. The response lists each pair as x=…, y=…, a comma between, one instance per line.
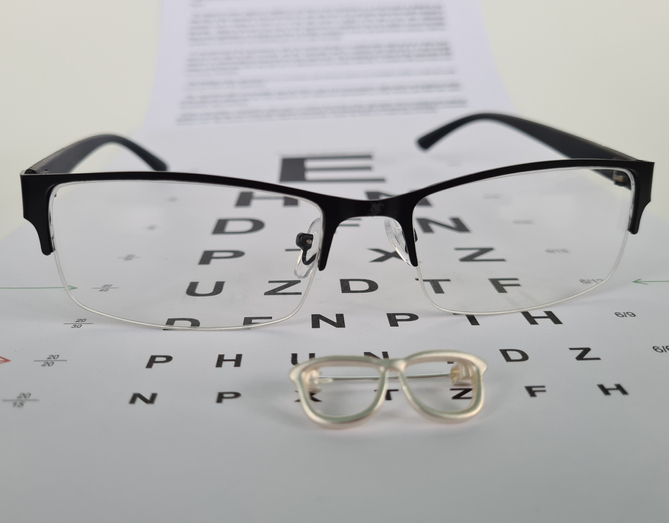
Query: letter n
x=149, y=401
x=338, y=322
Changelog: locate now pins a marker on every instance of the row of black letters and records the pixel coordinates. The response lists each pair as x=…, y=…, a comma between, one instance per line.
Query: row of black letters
x=251, y=225
x=395, y=319
x=459, y=393
x=478, y=254
x=347, y=285
x=509, y=356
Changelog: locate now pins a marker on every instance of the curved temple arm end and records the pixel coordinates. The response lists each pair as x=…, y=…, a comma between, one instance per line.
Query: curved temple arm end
x=65, y=160
x=568, y=144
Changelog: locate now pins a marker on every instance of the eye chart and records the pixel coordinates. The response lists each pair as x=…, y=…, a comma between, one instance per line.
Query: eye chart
x=108, y=421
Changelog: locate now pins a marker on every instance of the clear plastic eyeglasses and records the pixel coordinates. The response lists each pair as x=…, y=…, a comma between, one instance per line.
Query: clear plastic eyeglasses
x=343, y=391
x=182, y=250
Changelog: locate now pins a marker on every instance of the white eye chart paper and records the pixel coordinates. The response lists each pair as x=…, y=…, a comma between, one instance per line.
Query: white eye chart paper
x=107, y=421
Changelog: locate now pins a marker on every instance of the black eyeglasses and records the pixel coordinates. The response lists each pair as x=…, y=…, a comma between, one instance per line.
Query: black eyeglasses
x=129, y=245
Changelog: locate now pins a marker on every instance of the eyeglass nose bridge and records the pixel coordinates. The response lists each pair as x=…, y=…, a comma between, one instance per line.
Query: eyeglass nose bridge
x=398, y=225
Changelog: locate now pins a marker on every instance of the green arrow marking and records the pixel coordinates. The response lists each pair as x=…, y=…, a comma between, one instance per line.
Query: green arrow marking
x=70, y=287
x=646, y=282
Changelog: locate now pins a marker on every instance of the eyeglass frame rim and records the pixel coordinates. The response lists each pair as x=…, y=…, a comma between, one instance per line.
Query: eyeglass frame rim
x=384, y=366
x=37, y=189
x=579, y=151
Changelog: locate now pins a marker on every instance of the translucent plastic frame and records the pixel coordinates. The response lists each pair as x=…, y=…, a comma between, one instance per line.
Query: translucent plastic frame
x=39, y=182
x=467, y=370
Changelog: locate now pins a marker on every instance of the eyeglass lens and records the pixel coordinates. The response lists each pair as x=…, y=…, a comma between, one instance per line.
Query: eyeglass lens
x=343, y=391
x=182, y=254
x=523, y=240
x=430, y=383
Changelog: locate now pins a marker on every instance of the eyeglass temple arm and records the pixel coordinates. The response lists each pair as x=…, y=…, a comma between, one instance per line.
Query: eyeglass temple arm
x=65, y=160
x=568, y=144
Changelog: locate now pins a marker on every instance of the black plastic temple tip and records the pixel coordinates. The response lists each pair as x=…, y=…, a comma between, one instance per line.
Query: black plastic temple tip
x=427, y=141
x=568, y=144
x=65, y=160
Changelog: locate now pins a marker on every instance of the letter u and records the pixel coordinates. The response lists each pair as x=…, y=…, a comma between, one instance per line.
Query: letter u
x=192, y=289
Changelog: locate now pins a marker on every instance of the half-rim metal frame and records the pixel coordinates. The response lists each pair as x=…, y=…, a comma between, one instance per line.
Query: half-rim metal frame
x=39, y=182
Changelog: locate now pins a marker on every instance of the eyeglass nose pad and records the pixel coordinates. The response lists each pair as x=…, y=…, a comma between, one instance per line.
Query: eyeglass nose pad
x=396, y=239
x=461, y=374
x=310, y=246
x=312, y=380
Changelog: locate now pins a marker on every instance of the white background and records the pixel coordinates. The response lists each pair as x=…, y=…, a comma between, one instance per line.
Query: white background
x=73, y=68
